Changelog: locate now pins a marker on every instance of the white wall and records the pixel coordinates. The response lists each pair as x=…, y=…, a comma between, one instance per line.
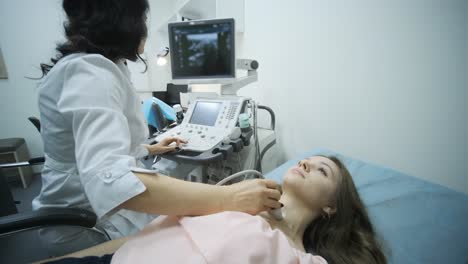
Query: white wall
x=28, y=32
x=382, y=81
x=156, y=78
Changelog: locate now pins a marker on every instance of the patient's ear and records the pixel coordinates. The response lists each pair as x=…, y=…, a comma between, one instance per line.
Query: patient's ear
x=329, y=211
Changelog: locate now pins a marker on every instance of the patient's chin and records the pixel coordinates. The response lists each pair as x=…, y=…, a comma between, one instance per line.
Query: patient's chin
x=292, y=181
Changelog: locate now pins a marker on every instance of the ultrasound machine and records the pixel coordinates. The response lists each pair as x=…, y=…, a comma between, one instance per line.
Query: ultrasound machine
x=220, y=127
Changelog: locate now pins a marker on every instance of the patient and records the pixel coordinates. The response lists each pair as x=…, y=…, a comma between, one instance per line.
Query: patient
x=324, y=220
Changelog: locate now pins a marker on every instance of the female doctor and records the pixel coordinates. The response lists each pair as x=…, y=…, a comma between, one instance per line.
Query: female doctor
x=93, y=129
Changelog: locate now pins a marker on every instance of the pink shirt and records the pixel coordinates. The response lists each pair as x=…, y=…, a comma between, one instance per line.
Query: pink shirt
x=228, y=237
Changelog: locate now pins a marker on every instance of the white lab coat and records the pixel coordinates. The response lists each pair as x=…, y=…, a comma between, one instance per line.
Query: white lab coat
x=92, y=128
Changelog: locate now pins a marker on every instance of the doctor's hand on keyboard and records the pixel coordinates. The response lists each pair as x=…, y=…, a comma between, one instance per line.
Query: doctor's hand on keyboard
x=166, y=145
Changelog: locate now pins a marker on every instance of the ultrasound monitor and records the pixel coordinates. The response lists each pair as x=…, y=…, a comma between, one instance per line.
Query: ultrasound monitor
x=205, y=113
x=203, y=49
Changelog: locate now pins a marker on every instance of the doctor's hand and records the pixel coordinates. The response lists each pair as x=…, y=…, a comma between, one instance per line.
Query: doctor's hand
x=165, y=145
x=253, y=196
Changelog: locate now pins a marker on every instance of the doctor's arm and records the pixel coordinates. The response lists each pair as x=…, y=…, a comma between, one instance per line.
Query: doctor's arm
x=170, y=196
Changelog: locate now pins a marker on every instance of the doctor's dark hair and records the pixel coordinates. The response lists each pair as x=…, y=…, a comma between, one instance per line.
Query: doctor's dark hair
x=347, y=236
x=111, y=28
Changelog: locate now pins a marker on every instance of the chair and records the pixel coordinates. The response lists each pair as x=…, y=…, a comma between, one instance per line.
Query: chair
x=38, y=235
x=35, y=121
x=7, y=204
x=15, y=150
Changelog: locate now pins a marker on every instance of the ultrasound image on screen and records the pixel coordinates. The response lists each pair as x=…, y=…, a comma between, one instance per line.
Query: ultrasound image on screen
x=202, y=51
x=205, y=113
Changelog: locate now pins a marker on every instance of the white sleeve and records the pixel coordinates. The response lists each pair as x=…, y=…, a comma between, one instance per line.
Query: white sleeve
x=92, y=101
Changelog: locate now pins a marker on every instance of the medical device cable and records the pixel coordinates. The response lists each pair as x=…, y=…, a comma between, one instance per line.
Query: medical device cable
x=251, y=161
x=240, y=174
x=258, y=164
x=252, y=107
x=254, y=117
x=257, y=139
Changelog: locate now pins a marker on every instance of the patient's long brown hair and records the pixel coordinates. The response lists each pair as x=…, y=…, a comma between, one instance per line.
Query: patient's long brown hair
x=347, y=236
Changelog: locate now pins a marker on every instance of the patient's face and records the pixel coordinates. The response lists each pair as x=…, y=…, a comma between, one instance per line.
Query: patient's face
x=312, y=182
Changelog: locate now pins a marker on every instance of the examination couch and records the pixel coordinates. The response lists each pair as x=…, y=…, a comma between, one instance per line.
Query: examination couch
x=417, y=221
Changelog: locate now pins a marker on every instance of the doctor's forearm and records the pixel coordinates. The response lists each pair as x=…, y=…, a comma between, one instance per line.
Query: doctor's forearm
x=169, y=196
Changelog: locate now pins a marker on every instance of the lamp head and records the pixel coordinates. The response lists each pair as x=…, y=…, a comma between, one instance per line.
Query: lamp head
x=161, y=61
x=162, y=57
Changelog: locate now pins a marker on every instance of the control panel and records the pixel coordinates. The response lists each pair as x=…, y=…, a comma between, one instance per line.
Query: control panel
x=207, y=122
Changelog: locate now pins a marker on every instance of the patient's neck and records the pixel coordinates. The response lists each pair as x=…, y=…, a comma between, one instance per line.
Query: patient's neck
x=296, y=218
